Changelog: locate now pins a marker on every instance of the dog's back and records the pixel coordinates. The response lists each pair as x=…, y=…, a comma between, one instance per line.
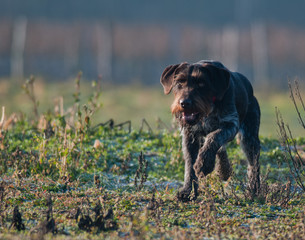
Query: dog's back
x=240, y=87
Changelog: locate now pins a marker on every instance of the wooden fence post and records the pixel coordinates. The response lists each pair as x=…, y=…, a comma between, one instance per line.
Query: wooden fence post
x=230, y=41
x=260, y=54
x=104, y=50
x=18, y=47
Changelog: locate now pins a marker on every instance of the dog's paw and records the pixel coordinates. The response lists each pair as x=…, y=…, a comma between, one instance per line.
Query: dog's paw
x=184, y=195
x=205, y=163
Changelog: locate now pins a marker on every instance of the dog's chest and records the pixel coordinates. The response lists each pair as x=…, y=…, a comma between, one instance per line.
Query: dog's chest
x=209, y=124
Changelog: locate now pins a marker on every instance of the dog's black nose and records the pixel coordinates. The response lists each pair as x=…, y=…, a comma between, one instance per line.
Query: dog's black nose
x=185, y=103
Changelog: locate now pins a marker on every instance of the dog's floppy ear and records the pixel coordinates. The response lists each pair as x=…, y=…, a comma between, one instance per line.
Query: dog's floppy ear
x=219, y=79
x=168, y=76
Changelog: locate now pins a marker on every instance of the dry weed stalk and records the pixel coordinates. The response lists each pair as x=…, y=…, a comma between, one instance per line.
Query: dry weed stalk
x=5, y=124
x=296, y=94
x=28, y=87
x=292, y=156
x=141, y=173
x=2, y=118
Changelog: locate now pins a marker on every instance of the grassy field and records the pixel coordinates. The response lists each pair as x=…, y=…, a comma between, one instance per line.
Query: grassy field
x=65, y=176
x=134, y=103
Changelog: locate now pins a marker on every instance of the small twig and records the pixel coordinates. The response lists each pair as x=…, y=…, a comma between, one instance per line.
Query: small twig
x=295, y=104
x=161, y=123
x=110, y=122
x=144, y=122
x=120, y=125
x=298, y=94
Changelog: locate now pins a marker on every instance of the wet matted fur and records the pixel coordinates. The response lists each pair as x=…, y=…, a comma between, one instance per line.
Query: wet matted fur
x=212, y=105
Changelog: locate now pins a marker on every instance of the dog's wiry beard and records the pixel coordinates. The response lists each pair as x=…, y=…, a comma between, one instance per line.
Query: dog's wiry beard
x=201, y=108
x=203, y=105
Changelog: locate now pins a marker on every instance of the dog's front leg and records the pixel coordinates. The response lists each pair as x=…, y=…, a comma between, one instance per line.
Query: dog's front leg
x=190, y=148
x=205, y=161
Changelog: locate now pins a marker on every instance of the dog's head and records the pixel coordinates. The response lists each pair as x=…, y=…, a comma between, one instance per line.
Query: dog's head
x=196, y=88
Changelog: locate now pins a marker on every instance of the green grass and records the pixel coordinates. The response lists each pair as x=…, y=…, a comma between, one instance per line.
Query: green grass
x=89, y=173
x=134, y=103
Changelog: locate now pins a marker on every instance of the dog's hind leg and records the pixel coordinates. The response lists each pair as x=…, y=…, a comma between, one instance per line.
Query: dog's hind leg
x=251, y=145
x=223, y=166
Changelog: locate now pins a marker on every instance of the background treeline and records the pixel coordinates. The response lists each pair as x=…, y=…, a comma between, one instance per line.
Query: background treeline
x=208, y=12
x=132, y=41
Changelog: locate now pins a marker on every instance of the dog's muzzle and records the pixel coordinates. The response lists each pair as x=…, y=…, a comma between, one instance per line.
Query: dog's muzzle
x=188, y=115
x=190, y=118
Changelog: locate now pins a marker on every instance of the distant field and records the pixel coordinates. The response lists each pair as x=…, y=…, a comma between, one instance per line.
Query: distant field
x=134, y=103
